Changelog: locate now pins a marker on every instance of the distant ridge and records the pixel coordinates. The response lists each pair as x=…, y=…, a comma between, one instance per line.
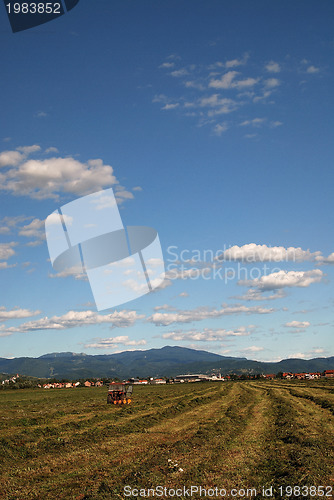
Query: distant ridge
x=165, y=362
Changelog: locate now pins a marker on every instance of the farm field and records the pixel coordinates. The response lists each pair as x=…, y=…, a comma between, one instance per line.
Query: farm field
x=69, y=444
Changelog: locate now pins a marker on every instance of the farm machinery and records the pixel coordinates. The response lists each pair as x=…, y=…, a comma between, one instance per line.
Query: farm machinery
x=119, y=393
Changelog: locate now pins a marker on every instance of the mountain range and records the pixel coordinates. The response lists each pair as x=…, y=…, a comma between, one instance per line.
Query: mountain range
x=165, y=362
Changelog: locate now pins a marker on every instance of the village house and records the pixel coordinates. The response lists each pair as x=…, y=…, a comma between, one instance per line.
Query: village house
x=158, y=381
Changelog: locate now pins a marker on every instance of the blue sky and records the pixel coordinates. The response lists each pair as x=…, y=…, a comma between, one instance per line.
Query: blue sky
x=213, y=123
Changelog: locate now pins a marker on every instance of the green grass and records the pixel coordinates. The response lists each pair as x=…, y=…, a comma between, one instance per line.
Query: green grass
x=69, y=444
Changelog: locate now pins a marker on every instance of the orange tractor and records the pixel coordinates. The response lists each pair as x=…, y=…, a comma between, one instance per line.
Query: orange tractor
x=119, y=393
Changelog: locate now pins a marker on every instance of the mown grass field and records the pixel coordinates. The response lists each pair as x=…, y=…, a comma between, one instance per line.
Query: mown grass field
x=69, y=444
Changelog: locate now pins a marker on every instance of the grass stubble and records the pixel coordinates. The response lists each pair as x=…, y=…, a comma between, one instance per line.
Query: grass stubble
x=69, y=444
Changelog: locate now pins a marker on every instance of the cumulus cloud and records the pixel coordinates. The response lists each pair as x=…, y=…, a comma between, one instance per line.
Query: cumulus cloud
x=273, y=67
x=180, y=72
x=275, y=124
x=170, y=106
x=207, y=334
x=5, y=265
x=75, y=272
x=253, y=348
x=35, y=229
x=300, y=325
x=255, y=122
x=236, y=62
x=256, y=295
x=114, y=342
x=229, y=76
x=320, y=259
x=262, y=253
x=312, y=69
x=297, y=355
x=201, y=313
x=272, y=82
x=220, y=128
x=74, y=319
x=16, y=313
x=7, y=250
x=167, y=65
x=227, y=81
x=284, y=279
x=47, y=178
x=218, y=103
x=27, y=150
x=10, y=158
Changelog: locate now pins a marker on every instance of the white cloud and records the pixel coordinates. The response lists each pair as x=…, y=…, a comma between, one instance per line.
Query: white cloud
x=312, y=69
x=236, y=62
x=164, y=307
x=35, y=229
x=160, y=98
x=8, y=224
x=51, y=149
x=255, y=122
x=318, y=350
x=297, y=355
x=74, y=319
x=219, y=128
x=252, y=348
x=225, y=82
x=283, y=279
x=75, y=272
x=247, y=82
x=275, y=124
x=325, y=260
x=207, y=334
x=298, y=324
x=183, y=294
x=256, y=295
x=191, y=84
x=27, y=150
x=201, y=313
x=273, y=67
x=47, y=178
x=5, y=265
x=253, y=252
x=10, y=158
x=180, y=72
x=114, y=342
x=167, y=65
x=272, y=82
x=219, y=105
x=16, y=313
x=170, y=106
x=6, y=250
